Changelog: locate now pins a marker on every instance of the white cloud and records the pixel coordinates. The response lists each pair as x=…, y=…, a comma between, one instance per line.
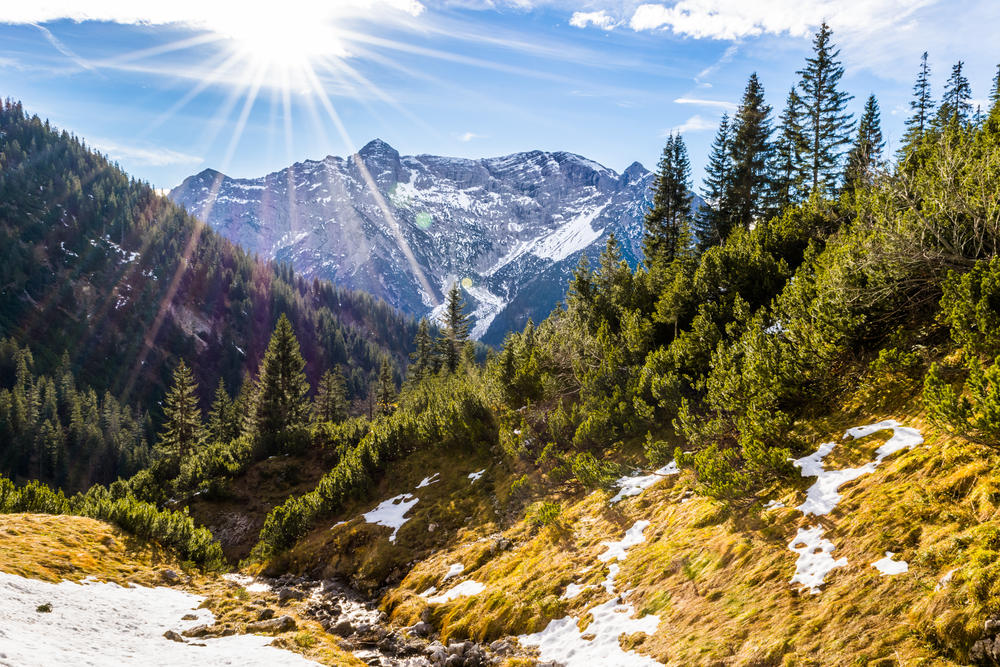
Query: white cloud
x=469, y=136
x=696, y=123
x=721, y=104
x=735, y=19
x=600, y=19
x=144, y=155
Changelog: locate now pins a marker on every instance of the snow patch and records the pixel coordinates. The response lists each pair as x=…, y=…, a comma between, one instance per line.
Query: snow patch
x=888, y=567
x=453, y=571
x=98, y=624
x=463, y=589
x=575, y=235
x=392, y=512
x=427, y=481
x=248, y=583
x=633, y=536
x=815, y=561
x=476, y=475
x=634, y=485
x=574, y=590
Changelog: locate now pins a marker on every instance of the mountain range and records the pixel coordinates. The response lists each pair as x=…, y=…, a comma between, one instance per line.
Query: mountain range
x=404, y=228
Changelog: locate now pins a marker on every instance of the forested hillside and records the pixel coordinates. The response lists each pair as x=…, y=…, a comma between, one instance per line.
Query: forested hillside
x=109, y=285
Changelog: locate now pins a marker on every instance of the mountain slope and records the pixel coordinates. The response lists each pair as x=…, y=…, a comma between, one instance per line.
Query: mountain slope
x=510, y=229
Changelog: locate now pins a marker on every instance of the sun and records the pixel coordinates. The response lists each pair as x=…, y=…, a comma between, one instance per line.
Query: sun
x=285, y=35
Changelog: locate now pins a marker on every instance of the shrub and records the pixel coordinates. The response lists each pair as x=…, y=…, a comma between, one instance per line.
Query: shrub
x=544, y=514
x=973, y=412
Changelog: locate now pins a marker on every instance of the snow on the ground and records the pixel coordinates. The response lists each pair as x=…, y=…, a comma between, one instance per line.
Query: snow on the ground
x=634, y=485
x=463, y=589
x=814, y=561
x=476, y=475
x=887, y=566
x=773, y=504
x=248, y=583
x=101, y=624
x=427, y=481
x=574, y=590
x=392, y=512
x=633, y=536
x=563, y=642
x=453, y=571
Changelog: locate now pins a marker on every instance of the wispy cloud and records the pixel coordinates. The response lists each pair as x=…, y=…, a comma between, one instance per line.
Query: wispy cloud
x=600, y=19
x=152, y=156
x=720, y=104
x=696, y=123
x=469, y=136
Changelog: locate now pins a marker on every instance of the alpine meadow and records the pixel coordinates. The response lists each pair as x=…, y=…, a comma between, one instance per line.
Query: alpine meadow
x=519, y=410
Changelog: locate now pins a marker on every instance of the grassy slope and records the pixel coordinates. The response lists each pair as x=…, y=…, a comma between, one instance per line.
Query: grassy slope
x=56, y=548
x=718, y=577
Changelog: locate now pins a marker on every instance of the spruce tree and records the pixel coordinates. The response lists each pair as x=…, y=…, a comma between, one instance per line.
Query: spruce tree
x=385, y=390
x=995, y=89
x=921, y=105
x=714, y=217
x=955, y=103
x=223, y=418
x=182, y=423
x=456, y=328
x=826, y=123
x=671, y=207
x=423, y=354
x=787, y=178
x=866, y=153
x=750, y=155
x=330, y=404
x=282, y=388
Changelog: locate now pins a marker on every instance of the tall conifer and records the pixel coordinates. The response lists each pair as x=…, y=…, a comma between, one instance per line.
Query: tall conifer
x=713, y=222
x=866, y=153
x=282, y=387
x=671, y=209
x=182, y=422
x=750, y=155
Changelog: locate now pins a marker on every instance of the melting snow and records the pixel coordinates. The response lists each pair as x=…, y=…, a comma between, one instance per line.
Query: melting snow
x=476, y=475
x=105, y=624
x=250, y=584
x=887, y=566
x=461, y=590
x=392, y=513
x=573, y=590
x=453, y=571
x=633, y=536
x=633, y=486
x=575, y=235
x=427, y=481
x=814, y=560
x=773, y=504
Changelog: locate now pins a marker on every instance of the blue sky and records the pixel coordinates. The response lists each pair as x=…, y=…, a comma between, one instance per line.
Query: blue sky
x=169, y=90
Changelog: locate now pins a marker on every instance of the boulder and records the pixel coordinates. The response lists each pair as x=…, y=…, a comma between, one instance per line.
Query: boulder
x=272, y=625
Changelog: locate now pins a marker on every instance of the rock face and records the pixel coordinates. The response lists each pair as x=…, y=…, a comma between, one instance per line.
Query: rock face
x=404, y=228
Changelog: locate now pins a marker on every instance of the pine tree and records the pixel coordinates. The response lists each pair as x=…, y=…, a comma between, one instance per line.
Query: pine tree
x=995, y=90
x=385, y=390
x=457, y=328
x=223, y=418
x=787, y=176
x=671, y=208
x=423, y=354
x=750, y=155
x=922, y=105
x=182, y=423
x=955, y=103
x=330, y=404
x=282, y=388
x=826, y=123
x=866, y=153
x=714, y=217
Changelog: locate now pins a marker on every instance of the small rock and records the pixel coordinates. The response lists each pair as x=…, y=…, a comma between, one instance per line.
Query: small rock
x=272, y=625
x=425, y=615
x=422, y=629
x=343, y=628
x=431, y=527
x=992, y=626
x=198, y=631
x=285, y=594
x=265, y=614
x=108, y=541
x=189, y=617
x=170, y=576
x=44, y=608
x=173, y=636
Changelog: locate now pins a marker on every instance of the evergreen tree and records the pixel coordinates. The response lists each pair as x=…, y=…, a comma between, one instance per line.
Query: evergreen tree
x=713, y=223
x=330, y=404
x=866, y=153
x=223, y=418
x=750, y=155
x=826, y=124
x=422, y=356
x=922, y=104
x=182, y=423
x=282, y=388
x=995, y=89
x=457, y=328
x=787, y=178
x=671, y=208
x=385, y=390
x=955, y=103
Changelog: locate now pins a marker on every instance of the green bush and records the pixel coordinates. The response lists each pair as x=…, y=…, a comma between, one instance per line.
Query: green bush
x=970, y=305
x=544, y=514
x=971, y=412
